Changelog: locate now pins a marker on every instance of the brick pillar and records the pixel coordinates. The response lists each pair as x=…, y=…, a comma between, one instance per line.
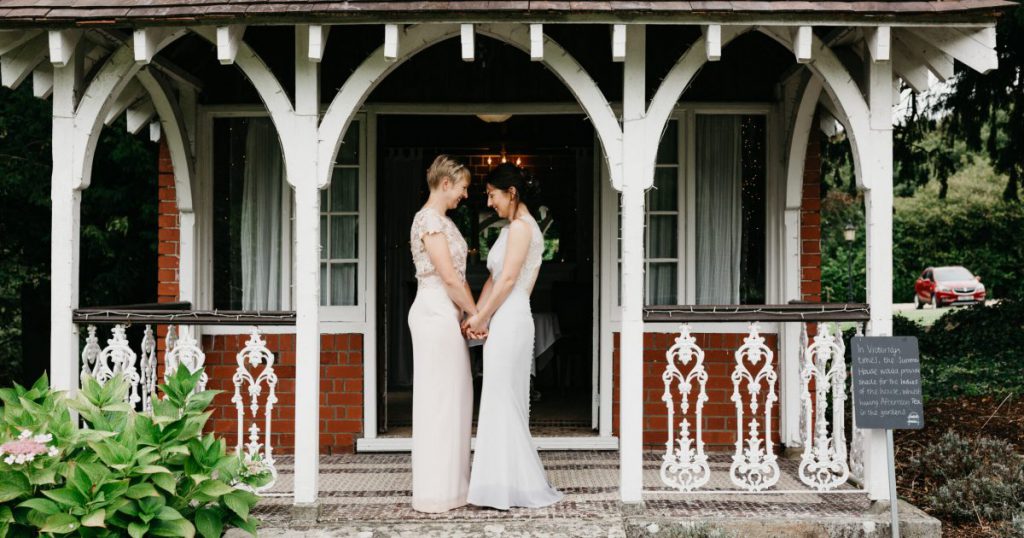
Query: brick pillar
x=810, y=222
x=168, y=246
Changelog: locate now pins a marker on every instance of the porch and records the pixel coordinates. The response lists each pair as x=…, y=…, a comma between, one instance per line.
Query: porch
x=370, y=493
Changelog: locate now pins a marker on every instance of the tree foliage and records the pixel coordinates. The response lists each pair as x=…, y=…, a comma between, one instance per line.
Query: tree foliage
x=118, y=228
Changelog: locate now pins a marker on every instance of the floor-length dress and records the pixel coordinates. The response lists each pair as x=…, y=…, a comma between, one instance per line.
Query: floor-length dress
x=442, y=392
x=507, y=471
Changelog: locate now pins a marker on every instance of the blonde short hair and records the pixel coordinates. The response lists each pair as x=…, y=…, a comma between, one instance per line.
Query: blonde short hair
x=445, y=167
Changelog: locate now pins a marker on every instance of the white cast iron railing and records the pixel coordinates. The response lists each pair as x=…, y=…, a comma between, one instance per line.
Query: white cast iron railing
x=826, y=462
x=254, y=380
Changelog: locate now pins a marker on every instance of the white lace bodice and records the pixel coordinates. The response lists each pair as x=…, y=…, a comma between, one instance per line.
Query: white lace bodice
x=534, y=257
x=428, y=221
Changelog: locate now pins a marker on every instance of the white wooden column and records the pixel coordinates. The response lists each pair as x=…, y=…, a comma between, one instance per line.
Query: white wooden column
x=631, y=342
x=65, y=218
x=878, y=210
x=300, y=146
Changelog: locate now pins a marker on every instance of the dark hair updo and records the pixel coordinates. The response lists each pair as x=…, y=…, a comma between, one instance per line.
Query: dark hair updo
x=505, y=176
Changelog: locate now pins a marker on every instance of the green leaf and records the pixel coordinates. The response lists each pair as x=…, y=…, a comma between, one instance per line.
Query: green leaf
x=44, y=506
x=13, y=485
x=137, y=530
x=60, y=524
x=249, y=525
x=167, y=513
x=165, y=481
x=152, y=469
x=139, y=491
x=6, y=516
x=214, y=488
x=43, y=477
x=65, y=496
x=238, y=503
x=95, y=519
x=209, y=523
x=175, y=528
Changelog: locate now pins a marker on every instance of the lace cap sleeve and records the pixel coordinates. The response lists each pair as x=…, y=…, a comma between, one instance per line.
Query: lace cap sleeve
x=429, y=222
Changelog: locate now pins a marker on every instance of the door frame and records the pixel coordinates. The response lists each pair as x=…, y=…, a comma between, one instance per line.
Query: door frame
x=370, y=441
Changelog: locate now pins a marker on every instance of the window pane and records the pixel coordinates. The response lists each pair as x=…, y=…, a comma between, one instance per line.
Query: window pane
x=661, y=284
x=753, y=258
x=324, y=284
x=344, y=237
x=662, y=236
x=345, y=189
x=668, y=149
x=664, y=196
x=349, y=152
x=323, y=237
x=323, y=201
x=343, y=284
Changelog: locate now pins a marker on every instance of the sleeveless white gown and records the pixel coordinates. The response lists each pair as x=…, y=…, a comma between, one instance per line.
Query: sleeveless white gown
x=507, y=471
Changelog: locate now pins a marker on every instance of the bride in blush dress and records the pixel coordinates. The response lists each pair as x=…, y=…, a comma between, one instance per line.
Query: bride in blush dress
x=507, y=471
x=442, y=394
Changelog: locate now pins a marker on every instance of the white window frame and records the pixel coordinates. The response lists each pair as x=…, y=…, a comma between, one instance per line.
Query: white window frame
x=685, y=116
x=333, y=319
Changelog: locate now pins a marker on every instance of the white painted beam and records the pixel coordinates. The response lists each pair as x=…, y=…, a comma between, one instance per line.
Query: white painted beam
x=619, y=42
x=42, y=81
x=912, y=72
x=920, y=51
x=318, y=41
x=537, y=42
x=17, y=64
x=139, y=115
x=802, y=39
x=879, y=42
x=12, y=39
x=146, y=42
x=128, y=96
x=974, y=48
x=390, y=42
x=228, y=38
x=713, y=42
x=154, y=131
x=62, y=45
x=468, y=39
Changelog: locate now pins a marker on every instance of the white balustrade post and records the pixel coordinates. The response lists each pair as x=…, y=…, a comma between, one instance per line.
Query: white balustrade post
x=878, y=202
x=631, y=339
x=65, y=228
x=300, y=146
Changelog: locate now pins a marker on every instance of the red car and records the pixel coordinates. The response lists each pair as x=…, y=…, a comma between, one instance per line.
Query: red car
x=944, y=286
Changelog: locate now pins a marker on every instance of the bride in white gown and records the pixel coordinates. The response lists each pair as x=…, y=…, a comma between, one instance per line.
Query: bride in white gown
x=506, y=469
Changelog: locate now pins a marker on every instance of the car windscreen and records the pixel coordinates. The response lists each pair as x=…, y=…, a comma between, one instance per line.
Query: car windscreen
x=952, y=273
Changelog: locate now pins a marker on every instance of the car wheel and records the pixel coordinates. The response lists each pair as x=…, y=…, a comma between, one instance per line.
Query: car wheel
x=917, y=302
x=935, y=302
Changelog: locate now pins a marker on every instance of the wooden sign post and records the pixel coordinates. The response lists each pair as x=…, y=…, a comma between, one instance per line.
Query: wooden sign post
x=887, y=394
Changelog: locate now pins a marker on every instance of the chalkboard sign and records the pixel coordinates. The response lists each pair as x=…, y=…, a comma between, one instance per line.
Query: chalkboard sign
x=887, y=383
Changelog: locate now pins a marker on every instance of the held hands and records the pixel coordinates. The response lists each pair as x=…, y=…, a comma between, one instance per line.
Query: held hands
x=475, y=327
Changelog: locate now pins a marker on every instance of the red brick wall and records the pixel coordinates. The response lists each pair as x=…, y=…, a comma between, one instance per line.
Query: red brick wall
x=341, y=390
x=719, y=414
x=168, y=246
x=810, y=222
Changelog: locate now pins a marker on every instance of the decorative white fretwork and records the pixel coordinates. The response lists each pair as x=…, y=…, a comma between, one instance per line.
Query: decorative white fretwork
x=754, y=467
x=257, y=457
x=823, y=464
x=804, y=342
x=89, y=354
x=685, y=466
x=857, y=439
x=117, y=358
x=185, y=351
x=147, y=369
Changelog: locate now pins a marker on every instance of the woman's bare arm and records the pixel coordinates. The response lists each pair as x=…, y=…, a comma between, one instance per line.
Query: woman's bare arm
x=515, y=257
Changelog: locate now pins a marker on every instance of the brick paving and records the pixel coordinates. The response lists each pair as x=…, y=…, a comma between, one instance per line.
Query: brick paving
x=376, y=488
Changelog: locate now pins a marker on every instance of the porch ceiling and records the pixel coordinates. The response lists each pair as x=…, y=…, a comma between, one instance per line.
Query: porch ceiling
x=182, y=12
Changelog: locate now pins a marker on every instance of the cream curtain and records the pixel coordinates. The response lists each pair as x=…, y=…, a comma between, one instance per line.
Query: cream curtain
x=261, y=218
x=719, y=209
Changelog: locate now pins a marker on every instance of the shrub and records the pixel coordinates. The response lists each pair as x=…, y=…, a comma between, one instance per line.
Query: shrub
x=971, y=479
x=122, y=473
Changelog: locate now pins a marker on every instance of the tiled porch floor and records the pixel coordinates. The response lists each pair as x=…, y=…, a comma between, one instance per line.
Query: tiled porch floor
x=376, y=488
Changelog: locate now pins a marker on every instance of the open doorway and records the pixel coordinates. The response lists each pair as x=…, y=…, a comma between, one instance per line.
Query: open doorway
x=558, y=150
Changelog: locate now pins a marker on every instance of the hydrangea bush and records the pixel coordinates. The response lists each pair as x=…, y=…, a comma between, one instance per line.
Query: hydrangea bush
x=121, y=473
